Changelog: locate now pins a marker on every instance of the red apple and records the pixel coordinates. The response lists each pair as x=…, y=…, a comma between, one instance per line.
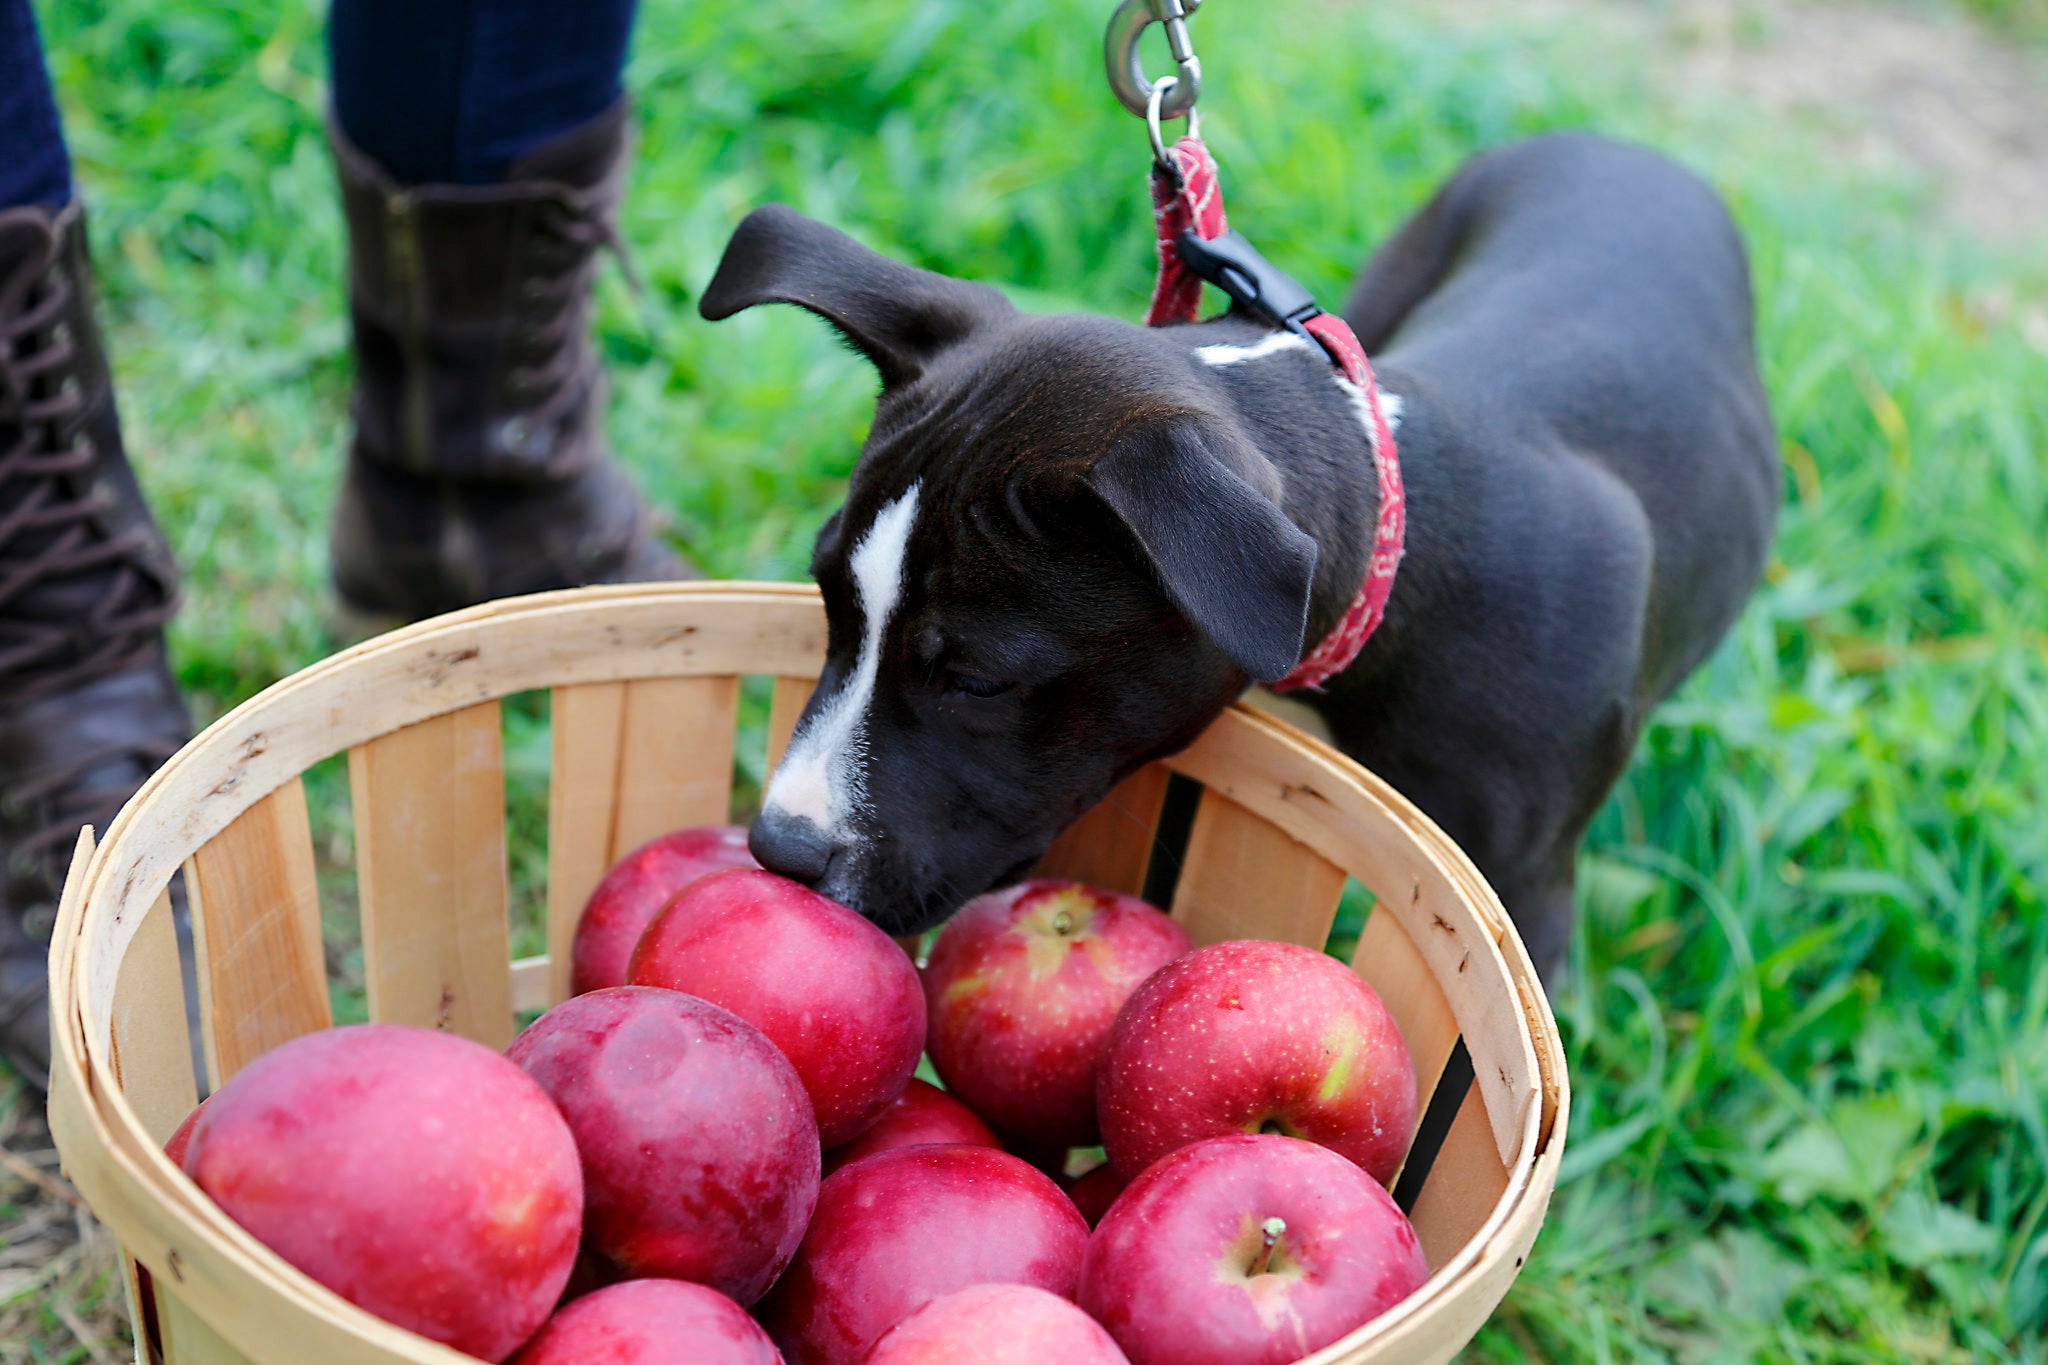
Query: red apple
x=1095, y=1192
x=636, y=889
x=836, y=994
x=898, y=1229
x=922, y=1116
x=651, y=1322
x=1247, y=1250
x=1022, y=988
x=181, y=1136
x=419, y=1175
x=700, y=1156
x=997, y=1324
x=1256, y=1037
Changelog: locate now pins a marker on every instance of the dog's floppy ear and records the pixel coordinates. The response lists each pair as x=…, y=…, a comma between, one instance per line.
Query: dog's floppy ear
x=895, y=315
x=1233, y=563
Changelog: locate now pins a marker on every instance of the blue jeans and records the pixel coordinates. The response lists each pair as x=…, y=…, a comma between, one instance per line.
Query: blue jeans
x=436, y=91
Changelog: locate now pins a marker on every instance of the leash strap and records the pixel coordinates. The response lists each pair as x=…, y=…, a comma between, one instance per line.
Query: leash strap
x=1196, y=244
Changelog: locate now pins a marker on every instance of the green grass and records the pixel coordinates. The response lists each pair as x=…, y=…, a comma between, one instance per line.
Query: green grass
x=1808, y=1013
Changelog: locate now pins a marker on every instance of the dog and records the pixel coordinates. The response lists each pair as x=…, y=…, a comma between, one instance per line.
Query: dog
x=1070, y=542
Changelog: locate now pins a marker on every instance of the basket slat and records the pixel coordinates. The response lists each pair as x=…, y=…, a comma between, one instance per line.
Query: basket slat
x=1111, y=846
x=784, y=708
x=152, y=1049
x=584, y=725
x=1232, y=851
x=1463, y=1187
x=256, y=919
x=429, y=805
x=630, y=761
x=187, y=1337
x=1392, y=965
x=675, y=757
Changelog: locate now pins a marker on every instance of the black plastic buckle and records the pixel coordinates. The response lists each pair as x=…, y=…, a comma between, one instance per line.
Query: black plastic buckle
x=1254, y=283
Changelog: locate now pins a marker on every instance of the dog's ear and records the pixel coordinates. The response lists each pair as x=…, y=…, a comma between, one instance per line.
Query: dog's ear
x=895, y=315
x=1233, y=563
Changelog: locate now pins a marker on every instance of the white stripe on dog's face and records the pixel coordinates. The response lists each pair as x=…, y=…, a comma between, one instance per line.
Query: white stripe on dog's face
x=823, y=777
x=1258, y=350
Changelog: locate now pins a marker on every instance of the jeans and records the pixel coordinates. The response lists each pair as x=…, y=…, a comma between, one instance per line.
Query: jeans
x=34, y=167
x=436, y=91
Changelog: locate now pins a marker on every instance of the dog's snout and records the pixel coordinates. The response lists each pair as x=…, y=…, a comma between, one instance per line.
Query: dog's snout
x=791, y=846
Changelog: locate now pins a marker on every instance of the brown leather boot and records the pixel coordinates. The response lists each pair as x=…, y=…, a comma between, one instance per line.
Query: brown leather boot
x=87, y=706
x=479, y=467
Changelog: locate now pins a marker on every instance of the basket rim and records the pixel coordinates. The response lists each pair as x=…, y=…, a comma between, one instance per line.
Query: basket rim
x=94, y=1119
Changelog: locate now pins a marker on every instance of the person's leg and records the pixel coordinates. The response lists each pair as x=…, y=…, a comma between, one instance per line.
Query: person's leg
x=481, y=149
x=455, y=91
x=87, y=706
x=34, y=168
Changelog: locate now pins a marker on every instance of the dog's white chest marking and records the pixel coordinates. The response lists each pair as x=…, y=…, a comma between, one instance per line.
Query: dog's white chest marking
x=1232, y=355
x=823, y=777
x=1219, y=356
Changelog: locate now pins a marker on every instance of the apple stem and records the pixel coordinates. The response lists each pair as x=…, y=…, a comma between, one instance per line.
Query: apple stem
x=1269, y=1232
x=1063, y=923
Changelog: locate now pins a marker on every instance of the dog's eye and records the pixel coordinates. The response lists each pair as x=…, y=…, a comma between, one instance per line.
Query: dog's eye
x=970, y=685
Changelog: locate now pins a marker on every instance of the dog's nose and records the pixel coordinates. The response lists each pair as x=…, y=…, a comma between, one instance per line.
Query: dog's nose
x=790, y=846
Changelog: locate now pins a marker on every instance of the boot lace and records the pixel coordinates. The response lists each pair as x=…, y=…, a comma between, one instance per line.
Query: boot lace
x=565, y=367
x=48, y=512
x=58, y=808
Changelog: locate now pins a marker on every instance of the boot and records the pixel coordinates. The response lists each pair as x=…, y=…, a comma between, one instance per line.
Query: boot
x=87, y=706
x=479, y=467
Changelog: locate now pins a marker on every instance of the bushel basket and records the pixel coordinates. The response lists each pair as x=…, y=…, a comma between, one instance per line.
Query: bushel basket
x=645, y=685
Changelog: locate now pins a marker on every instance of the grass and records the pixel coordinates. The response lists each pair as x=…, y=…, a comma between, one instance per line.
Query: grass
x=1808, y=1010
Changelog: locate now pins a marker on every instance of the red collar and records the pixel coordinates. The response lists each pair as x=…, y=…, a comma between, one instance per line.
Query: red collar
x=1187, y=199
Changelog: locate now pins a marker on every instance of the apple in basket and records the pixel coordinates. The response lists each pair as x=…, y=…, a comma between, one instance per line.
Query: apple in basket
x=997, y=1324
x=836, y=994
x=922, y=1116
x=1247, y=1250
x=636, y=889
x=1022, y=988
x=419, y=1175
x=898, y=1229
x=1250, y=1037
x=647, y=1322
x=700, y=1155
x=1094, y=1192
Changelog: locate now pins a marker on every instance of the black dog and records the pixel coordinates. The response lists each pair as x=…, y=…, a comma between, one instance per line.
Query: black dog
x=1071, y=541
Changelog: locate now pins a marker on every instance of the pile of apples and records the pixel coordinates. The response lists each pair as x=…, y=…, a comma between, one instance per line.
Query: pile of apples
x=716, y=1151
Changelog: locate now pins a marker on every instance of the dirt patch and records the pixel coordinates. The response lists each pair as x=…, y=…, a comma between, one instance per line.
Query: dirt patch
x=1930, y=94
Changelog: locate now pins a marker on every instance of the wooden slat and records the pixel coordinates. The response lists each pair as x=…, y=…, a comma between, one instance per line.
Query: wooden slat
x=152, y=1047
x=631, y=761
x=1111, y=845
x=533, y=984
x=1392, y=965
x=1464, y=1185
x=256, y=920
x=430, y=871
x=188, y=1340
x=585, y=723
x=675, y=757
x=1245, y=878
x=784, y=708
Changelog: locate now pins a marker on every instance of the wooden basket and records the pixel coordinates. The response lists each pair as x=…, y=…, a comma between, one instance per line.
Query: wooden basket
x=644, y=692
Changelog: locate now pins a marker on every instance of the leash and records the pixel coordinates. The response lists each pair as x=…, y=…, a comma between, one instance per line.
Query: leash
x=1197, y=245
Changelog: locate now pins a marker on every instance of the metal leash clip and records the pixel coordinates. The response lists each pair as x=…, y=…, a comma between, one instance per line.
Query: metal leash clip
x=1172, y=96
